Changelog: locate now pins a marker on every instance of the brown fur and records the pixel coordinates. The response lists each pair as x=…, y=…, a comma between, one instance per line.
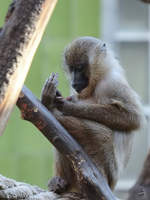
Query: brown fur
x=104, y=114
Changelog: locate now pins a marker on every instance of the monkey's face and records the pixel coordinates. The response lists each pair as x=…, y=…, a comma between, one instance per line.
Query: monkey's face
x=80, y=58
x=79, y=78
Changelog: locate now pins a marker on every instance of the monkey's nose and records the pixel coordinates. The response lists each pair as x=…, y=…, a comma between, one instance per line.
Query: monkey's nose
x=76, y=87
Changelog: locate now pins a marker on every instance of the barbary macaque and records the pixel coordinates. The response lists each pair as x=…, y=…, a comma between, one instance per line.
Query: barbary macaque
x=102, y=114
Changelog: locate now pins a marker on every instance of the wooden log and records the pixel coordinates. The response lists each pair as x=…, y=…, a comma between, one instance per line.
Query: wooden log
x=92, y=182
x=19, y=39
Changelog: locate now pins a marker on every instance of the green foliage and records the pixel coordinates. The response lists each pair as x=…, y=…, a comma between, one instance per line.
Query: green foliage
x=24, y=153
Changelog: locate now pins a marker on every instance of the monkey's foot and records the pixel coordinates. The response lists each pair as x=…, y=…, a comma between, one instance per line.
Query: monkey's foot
x=57, y=185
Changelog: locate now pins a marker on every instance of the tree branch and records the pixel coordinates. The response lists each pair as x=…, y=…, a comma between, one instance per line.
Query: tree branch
x=92, y=182
x=19, y=39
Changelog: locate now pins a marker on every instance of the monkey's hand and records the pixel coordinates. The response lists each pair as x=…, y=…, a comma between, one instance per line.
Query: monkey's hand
x=72, y=98
x=65, y=106
x=49, y=91
x=61, y=102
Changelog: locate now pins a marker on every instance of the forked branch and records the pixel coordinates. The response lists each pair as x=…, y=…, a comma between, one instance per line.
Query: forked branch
x=92, y=182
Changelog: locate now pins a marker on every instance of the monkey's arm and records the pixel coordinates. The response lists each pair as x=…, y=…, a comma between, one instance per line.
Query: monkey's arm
x=76, y=125
x=72, y=124
x=121, y=115
x=116, y=115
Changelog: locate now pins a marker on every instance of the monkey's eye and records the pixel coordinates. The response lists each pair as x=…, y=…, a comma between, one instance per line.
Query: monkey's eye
x=103, y=48
x=71, y=68
x=80, y=68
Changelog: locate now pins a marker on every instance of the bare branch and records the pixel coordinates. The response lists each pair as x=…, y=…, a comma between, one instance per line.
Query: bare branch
x=92, y=182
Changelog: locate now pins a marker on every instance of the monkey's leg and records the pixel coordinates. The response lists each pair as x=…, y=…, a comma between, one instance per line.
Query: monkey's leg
x=96, y=140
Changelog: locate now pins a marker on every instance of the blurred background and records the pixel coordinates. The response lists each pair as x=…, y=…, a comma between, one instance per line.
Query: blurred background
x=25, y=154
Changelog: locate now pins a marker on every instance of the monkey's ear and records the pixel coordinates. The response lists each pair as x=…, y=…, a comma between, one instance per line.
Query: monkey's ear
x=99, y=49
x=103, y=48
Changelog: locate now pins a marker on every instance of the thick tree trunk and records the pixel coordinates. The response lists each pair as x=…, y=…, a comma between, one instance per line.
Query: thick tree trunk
x=19, y=39
x=93, y=185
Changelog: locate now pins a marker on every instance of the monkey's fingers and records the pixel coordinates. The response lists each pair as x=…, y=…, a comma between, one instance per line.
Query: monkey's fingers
x=46, y=89
x=59, y=99
x=59, y=102
x=58, y=93
x=55, y=79
x=49, y=90
x=50, y=84
x=69, y=98
x=52, y=81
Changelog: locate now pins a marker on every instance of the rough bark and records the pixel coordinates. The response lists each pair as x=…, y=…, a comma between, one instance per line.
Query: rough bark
x=11, y=189
x=92, y=182
x=19, y=39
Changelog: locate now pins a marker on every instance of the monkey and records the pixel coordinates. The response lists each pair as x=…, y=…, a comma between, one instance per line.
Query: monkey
x=102, y=113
